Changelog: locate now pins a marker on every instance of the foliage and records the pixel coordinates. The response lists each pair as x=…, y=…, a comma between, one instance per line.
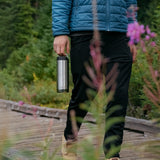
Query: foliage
x=16, y=26
x=4, y=143
x=149, y=14
x=6, y=32
x=152, y=83
x=23, y=63
x=136, y=94
x=151, y=55
x=156, y=20
x=91, y=145
x=41, y=92
x=139, y=104
x=9, y=86
x=146, y=11
x=44, y=93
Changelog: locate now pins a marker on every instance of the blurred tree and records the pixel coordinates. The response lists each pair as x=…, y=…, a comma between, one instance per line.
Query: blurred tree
x=156, y=19
x=16, y=18
x=35, y=57
x=22, y=22
x=146, y=11
x=6, y=32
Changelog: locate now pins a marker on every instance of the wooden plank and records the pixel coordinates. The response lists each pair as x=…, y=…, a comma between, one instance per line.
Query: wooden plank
x=33, y=130
x=131, y=123
x=36, y=132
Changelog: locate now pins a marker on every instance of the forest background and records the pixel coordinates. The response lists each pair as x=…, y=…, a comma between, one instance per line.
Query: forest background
x=28, y=62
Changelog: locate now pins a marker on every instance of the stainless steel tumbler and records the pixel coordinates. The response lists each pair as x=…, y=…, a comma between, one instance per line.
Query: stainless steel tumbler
x=62, y=74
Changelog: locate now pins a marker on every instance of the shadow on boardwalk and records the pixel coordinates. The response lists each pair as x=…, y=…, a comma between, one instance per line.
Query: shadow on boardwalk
x=50, y=123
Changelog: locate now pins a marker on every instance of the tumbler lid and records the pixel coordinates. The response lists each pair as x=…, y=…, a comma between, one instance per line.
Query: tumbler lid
x=62, y=58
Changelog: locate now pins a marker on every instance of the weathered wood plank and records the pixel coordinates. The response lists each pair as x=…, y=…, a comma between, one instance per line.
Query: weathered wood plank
x=32, y=131
x=37, y=133
x=131, y=123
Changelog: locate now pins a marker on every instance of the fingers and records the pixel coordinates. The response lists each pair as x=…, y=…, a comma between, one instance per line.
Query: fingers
x=134, y=52
x=134, y=56
x=68, y=47
x=60, y=49
x=61, y=43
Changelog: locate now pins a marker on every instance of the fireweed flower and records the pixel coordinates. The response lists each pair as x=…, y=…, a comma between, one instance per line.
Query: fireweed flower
x=96, y=76
x=153, y=44
x=156, y=73
x=148, y=30
x=149, y=33
x=20, y=103
x=147, y=38
x=134, y=32
x=24, y=116
x=97, y=59
x=97, y=79
x=153, y=35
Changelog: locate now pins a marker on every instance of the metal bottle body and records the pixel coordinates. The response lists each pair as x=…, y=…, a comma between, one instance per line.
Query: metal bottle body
x=62, y=74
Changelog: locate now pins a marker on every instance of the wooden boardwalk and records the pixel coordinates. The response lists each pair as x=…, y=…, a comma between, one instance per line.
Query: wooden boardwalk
x=31, y=131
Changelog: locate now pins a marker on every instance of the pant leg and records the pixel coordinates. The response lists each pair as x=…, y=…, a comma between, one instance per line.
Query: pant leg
x=120, y=100
x=80, y=53
x=115, y=48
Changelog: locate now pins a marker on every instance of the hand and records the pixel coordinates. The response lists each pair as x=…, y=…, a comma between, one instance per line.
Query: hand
x=61, y=44
x=134, y=52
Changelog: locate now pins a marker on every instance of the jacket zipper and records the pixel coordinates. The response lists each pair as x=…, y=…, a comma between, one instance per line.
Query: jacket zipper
x=107, y=19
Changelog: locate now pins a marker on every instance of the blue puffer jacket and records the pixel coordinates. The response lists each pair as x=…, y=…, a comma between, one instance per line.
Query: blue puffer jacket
x=77, y=15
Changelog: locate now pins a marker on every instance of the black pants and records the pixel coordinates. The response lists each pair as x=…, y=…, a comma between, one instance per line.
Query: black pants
x=115, y=47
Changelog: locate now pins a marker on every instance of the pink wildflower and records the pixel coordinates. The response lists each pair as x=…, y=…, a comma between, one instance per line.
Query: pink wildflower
x=96, y=56
x=156, y=73
x=35, y=109
x=148, y=30
x=24, y=116
x=97, y=61
x=153, y=44
x=134, y=32
x=147, y=38
x=20, y=103
x=153, y=35
x=143, y=46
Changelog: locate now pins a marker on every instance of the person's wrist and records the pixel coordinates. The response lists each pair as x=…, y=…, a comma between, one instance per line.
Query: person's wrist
x=63, y=35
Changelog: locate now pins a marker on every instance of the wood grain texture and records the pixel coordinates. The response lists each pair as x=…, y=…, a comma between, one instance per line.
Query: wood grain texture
x=30, y=131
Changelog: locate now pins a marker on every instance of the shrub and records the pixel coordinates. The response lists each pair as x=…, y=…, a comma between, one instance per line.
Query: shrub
x=32, y=58
x=44, y=92
x=9, y=87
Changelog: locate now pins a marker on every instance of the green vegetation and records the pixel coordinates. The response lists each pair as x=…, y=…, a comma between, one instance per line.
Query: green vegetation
x=27, y=57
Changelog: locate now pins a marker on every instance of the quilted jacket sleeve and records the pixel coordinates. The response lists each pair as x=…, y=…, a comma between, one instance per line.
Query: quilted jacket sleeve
x=60, y=16
x=131, y=5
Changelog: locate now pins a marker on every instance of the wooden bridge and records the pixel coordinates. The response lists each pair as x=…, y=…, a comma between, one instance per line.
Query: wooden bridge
x=30, y=131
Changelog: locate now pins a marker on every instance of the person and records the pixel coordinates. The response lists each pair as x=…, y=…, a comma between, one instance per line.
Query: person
x=74, y=19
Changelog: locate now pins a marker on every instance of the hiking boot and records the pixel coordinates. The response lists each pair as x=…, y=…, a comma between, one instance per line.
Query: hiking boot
x=69, y=149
